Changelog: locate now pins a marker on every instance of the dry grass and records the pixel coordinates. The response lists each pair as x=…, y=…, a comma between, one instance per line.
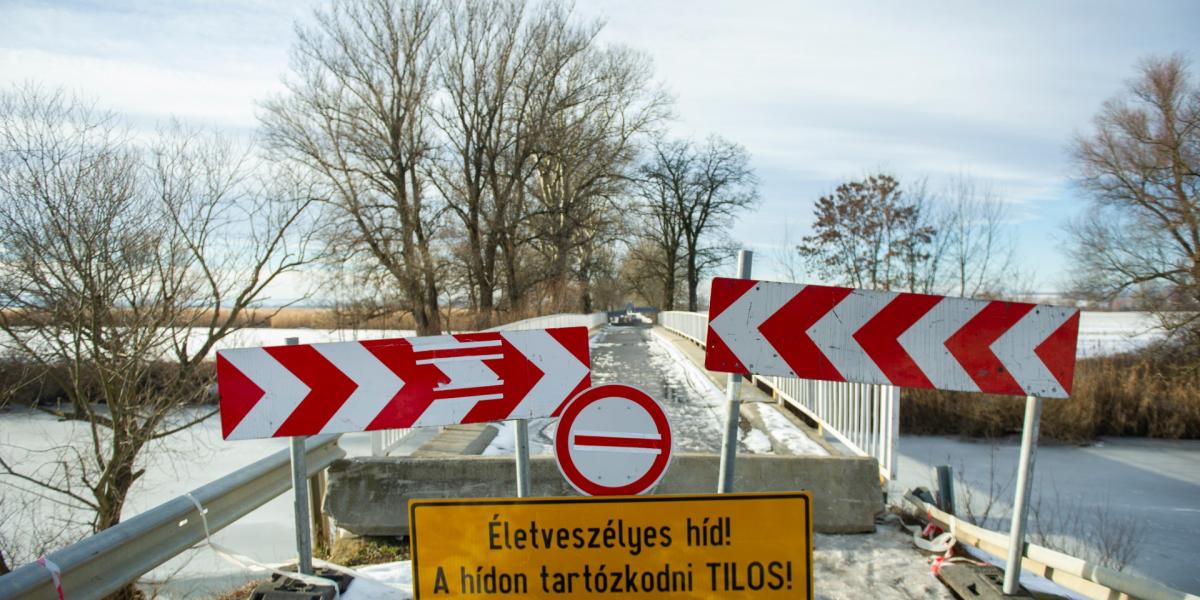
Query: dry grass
x=366, y=318
x=1154, y=393
x=350, y=551
x=243, y=592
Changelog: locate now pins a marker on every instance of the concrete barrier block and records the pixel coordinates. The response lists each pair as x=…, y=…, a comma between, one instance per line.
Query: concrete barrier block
x=369, y=496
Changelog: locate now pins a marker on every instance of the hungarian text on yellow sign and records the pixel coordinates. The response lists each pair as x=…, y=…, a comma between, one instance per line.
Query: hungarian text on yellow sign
x=728, y=546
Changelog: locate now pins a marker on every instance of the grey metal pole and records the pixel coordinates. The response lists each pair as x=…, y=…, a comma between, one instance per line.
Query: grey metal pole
x=300, y=493
x=522, y=452
x=1016, y=537
x=733, y=392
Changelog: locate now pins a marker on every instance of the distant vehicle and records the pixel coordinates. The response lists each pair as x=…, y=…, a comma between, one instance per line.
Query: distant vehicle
x=627, y=319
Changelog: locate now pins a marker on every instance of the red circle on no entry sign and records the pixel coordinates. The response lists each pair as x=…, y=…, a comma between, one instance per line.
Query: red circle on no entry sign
x=613, y=440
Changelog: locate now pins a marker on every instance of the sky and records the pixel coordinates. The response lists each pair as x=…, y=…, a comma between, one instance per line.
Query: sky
x=818, y=93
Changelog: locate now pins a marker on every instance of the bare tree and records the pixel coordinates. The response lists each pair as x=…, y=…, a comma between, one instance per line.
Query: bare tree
x=604, y=101
x=356, y=116
x=868, y=235
x=1141, y=166
x=696, y=192
x=785, y=257
x=489, y=73
x=120, y=267
x=723, y=185
x=661, y=181
x=972, y=241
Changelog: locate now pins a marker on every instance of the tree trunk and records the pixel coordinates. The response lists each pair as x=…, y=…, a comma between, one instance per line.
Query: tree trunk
x=111, y=500
x=512, y=286
x=585, y=276
x=668, y=300
x=693, y=278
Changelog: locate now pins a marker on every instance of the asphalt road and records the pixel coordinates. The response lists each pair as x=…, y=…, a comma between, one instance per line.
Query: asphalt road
x=629, y=355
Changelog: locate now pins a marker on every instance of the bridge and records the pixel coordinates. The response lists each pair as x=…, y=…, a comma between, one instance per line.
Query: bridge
x=838, y=439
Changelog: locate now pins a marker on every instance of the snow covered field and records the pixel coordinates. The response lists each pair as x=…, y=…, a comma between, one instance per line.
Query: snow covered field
x=1102, y=333
x=182, y=463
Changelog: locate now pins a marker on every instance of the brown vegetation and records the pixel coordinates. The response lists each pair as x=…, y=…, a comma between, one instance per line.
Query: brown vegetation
x=1154, y=393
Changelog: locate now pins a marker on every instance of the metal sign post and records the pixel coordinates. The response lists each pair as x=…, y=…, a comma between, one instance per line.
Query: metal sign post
x=1016, y=539
x=522, y=457
x=300, y=493
x=733, y=391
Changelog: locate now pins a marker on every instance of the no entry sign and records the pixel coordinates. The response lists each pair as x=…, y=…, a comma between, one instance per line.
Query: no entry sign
x=398, y=383
x=613, y=440
x=909, y=340
x=709, y=546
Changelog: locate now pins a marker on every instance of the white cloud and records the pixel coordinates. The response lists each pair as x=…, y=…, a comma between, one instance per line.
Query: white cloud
x=818, y=92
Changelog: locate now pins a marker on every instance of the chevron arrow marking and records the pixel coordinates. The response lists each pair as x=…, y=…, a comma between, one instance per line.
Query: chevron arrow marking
x=911, y=340
x=380, y=384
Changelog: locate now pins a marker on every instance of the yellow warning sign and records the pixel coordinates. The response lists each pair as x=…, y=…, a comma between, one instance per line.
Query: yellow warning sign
x=702, y=546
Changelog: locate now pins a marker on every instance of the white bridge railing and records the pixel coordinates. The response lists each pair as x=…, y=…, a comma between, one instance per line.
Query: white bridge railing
x=865, y=418
x=383, y=442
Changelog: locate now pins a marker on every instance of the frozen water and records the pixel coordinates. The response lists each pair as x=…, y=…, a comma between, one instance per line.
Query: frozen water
x=1153, y=484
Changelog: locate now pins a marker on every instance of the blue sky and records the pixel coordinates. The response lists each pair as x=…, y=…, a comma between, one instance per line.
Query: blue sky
x=818, y=93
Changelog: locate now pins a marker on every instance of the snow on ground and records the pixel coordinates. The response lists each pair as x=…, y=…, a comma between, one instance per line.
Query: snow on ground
x=387, y=581
x=883, y=565
x=782, y=429
x=755, y=441
x=690, y=371
x=182, y=462
x=1102, y=333
x=786, y=432
x=266, y=336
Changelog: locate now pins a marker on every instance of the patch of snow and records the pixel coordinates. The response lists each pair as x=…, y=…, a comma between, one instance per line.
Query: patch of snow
x=755, y=441
x=692, y=374
x=788, y=433
x=883, y=565
x=541, y=437
x=386, y=581
x=1102, y=333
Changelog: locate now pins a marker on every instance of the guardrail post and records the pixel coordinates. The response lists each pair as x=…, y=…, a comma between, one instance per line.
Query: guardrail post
x=733, y=391
x=321, y=527
x=945, y=484
x=300, y=493
x=1016, y=541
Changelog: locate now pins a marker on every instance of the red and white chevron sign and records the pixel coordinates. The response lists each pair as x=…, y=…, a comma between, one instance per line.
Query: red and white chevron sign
x=342, y=387
x=910, y=340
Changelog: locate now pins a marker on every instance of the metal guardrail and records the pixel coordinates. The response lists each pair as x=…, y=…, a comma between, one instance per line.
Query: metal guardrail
x=115, y=557
x=863, y=417
x=385, y=441
x=1089, y=579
